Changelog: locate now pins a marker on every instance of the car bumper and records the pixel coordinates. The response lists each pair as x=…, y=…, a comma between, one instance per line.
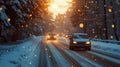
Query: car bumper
x=51, y=38
x=88, y=47
x=80, y=46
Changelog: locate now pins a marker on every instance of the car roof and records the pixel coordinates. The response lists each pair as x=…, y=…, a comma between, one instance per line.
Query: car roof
x=80, y=34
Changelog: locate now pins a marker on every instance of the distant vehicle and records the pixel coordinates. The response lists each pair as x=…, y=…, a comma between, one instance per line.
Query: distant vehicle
x=51, y=37
x=68, y=36
x=80, y=41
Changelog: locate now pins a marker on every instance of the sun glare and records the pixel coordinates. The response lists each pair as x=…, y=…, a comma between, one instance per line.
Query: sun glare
x=59, y=7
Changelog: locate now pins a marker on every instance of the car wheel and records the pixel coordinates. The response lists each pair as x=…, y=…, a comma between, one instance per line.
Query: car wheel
x=89, y=48
x=71, y=47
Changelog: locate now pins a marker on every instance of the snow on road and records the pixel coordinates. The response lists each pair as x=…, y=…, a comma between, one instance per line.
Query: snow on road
x=111, y=48
x=58, y=57
x=106, y=57
x=84, y=62
x=25, y=54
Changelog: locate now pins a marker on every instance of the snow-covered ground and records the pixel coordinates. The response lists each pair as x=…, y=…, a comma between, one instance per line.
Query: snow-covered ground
x=110, y=48
x=58, y=57
x=27, y=54
x=24, y=54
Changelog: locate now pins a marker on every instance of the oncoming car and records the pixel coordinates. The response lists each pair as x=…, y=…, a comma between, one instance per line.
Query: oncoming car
x=51, y=37
x=68, y=36
x=80, y=41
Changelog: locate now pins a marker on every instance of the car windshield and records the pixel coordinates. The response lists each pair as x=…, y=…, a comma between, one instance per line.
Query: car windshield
x=80, y=36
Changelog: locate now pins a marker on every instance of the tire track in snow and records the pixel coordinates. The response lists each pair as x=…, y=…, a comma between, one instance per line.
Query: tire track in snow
x=107, y=54
x=71, y=60
x=58, y=57
x=42, y=56
x=107, y=58
x=99, y=60
x=83, y=61
x=50, y=58
x=112, y=61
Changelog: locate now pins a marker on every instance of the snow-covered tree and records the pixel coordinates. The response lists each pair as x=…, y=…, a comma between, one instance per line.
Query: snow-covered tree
x=18, y=19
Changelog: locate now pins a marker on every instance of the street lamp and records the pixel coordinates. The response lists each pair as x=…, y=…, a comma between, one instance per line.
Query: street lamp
x=1, y=8
x=9, y=19
x=81, y=25
x=113, y=25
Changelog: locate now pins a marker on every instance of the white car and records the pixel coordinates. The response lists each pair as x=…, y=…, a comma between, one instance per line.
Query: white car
x=80, y=41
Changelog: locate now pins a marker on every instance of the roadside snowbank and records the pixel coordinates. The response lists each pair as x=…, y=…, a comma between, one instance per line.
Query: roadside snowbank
x=24, y=54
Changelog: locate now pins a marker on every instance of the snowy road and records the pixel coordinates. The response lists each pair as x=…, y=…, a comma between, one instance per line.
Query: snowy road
x=57, y=54
x=37, y=53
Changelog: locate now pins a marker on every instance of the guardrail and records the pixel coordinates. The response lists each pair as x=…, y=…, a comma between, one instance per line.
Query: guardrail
x=107, y=41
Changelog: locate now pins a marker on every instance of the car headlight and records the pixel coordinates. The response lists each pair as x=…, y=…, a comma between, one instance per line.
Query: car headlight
x=55, y=36
x=66, y=36
x=74, y=42
x=88, y=42
x=48, y=36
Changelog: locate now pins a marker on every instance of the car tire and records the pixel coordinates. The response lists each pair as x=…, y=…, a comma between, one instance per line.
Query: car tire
x=89, y=48
x=71, y=48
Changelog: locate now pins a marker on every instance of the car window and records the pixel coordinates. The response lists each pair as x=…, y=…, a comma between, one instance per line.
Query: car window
x=83, y=36
x=80, y=36
x=75, y=37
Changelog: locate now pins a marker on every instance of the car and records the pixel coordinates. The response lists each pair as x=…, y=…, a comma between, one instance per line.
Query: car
x=80, y=41
x=68, y=36
x=51, y=37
